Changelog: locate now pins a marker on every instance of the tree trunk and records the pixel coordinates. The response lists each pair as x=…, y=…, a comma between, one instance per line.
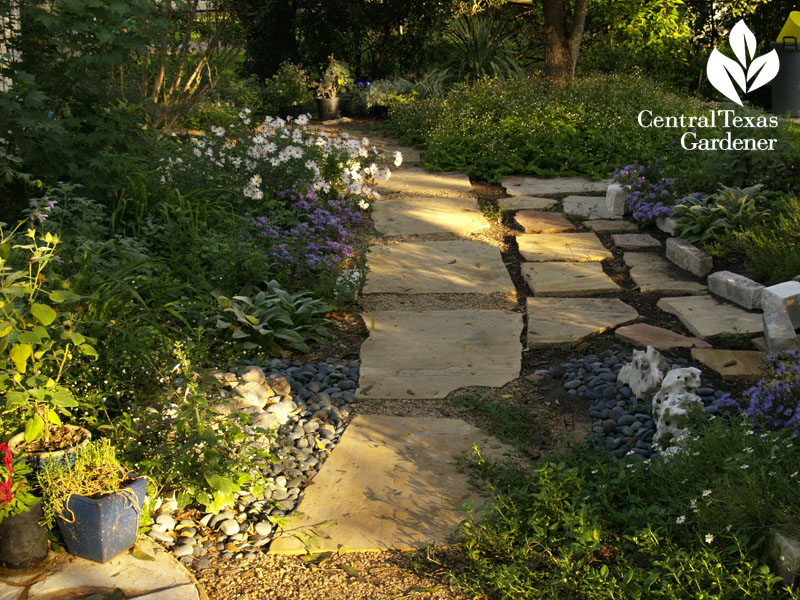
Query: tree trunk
x=562, y=41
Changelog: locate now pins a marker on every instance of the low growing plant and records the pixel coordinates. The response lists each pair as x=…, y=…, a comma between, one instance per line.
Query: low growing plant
x=290, y=86
x=730, y=209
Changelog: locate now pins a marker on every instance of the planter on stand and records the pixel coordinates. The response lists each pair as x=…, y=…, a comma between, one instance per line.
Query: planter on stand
x=101, y=528
x=23, y=542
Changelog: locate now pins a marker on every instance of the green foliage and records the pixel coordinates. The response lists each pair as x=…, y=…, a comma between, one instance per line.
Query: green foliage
x=384, y=92
x=770, y=250
x=483, y=49
x=290, y=86
x=586, y=526
x=336, y=79
x=730, y=209
x=528, y=126
x=273, y=319
x=36, y=342
x=514, y=423
x=96, y=472
x=185, y=443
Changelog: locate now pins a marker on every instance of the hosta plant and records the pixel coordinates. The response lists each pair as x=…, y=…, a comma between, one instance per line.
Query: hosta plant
x=730, y=209
x=36, y=340
x=273, y=319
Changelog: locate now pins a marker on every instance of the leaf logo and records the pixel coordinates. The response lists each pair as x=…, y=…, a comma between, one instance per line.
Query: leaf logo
x=723, y=72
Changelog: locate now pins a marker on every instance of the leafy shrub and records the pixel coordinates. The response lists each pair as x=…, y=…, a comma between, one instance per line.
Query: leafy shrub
x=386, y=91
x=273, y=319
x=290, y=86
x=730, y=209
x=336, y=78
x=528, y=126
x=588, y=526
x=433, y=82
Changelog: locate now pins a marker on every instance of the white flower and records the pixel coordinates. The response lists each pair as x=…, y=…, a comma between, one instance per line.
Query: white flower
x=681, y=520
x=709, y=538
x=398, y=158
x=744, y=466
x=706, y=493
x=363, y=204
x=197, y=152
x=302, y=120
x=218, y=131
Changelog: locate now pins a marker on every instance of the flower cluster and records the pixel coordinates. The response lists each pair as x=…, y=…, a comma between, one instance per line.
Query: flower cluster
x=7, y=486
x=651, y=193
x=775, y=399
x=318, y=242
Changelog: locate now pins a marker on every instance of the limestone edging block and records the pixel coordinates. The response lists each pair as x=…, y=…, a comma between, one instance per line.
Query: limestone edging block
x=429, y=354
x=418, y=181
x=538, y=186
x=705, y=316
x=689, y=257
x=564, y=320
x=737, y=288
x=553, y=247
x=567, y=278
x=390, y=483
x=458, y=267
x=419, y=215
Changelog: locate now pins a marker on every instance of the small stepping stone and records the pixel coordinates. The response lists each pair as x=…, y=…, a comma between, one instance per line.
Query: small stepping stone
x=549, y=247
x=554, y=321
x=592, y=207
x=731, y=364
x=607, y=225
x=527, y=203
x=634, y=241
x=458, y=267
x=543, y=222
x=429, y=354
x=567, y=279
x=535, y=186
x=417, y=181
x=391, y=483
x=643, y=335
x=705, y=316
x=655, y=275
x=418, y=215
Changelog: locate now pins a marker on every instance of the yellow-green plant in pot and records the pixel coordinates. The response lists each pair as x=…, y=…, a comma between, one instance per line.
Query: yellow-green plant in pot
x=37, y=341
x=96, y=503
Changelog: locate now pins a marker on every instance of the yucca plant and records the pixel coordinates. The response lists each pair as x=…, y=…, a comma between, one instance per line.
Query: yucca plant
x=484, y=49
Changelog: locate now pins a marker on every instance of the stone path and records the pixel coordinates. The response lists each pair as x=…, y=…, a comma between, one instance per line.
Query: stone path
x=391, y=482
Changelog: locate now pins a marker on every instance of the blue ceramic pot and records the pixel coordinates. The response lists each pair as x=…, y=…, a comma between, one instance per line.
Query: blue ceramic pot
x=101, y=528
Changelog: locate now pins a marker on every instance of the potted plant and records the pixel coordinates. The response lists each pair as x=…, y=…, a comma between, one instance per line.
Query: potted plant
x=335, y=80
x=23, y=541
x=37, y=340
x=96, y=503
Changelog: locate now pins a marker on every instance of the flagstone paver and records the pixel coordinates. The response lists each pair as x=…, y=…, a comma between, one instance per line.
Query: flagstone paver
x=458, y=266
x=417, y=181
x=550, y=247
x=567, y=279
x=63, y=576
x=419, y=215
x=535, y=186
x=527, y=203
x=608, y=225
x=543, y=222
x=731, y=364
x=390, y=483
x=656, y=275
x=429, y=354
x=554, y=321
x=644, y=335
x=635, y=241
x=592, y=207
x=705, y=316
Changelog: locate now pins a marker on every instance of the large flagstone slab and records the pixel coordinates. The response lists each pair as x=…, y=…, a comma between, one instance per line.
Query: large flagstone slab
x=537, y=186
x=644, y=335
x=656, y=275
x=527, y=203
x=390, y=483
x=567, y=279
x=731, y=364
x=554, y=321
x=543, y=222
x=705, y=316
x=610, y=225
x=417, y=181
x=550, y=247
x=418, y=215
x=429, y=354
x=591, y=207
x=458, y=267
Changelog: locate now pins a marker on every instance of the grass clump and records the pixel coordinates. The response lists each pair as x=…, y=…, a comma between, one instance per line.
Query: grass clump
x=587, y=526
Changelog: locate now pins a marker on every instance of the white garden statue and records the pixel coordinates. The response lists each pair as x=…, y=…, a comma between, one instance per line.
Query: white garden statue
x=672, y=405
x=644, y=373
